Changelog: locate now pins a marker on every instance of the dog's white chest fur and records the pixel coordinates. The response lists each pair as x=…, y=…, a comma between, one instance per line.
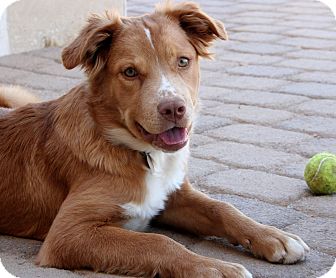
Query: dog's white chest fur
x=166, y=174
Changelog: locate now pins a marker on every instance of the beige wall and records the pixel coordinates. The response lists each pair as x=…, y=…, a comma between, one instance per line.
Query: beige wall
x=33, y=24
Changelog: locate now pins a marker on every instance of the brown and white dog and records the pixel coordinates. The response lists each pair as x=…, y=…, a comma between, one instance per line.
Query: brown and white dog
x=88, y=171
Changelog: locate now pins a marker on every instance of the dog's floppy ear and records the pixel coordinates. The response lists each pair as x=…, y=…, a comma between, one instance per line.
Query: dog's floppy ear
x=200, y=28
x=90, y=49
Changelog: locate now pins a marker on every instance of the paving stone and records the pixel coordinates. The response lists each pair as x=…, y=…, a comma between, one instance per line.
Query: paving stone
x=37, y=81
x=269, y=2
x=228, y=10
x=316, y=33
x=305, y=9
x=248, y=58
x=292, y=169
x=207, y=122
x=308, y=4
x=303, y=24
x=322, y=107
x=311, y=124
x=310, y=89
x=58, y=70
x=243, y=20
x=224, y=45
x=264, y=71
x=217, y=65
x=259, y=135
x=259, y=48
x=53, y=53
x=247, y=97
x=251, y=6
x=250, y=114
x=263, y=14
x=47, y=82
x=316, y=145
x=25, y=62
x=313, y=54
x=200, y=140
x=265, y=213
x=244, y=155
x=253, y=37
x=25, y=248
x=256, y=184
x=315, y=76
x=199, y=168
x=207, y=104
x=240, y=82
x=273, y=29
x=228, y=3
x=228, y=25
x=38, y=65
x=309, y=43
x=315, y=265
x=8, y=75
x=309, y=64
x=308, y=17
x=319, y=232
x=317, y=205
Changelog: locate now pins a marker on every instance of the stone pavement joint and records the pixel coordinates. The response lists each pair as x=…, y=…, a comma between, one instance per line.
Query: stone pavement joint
x=268, y=104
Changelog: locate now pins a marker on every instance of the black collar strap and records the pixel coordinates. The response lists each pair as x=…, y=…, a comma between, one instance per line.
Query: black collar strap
x=147, y=159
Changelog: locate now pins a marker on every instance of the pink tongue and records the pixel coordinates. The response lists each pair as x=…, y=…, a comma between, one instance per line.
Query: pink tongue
x=174, y=136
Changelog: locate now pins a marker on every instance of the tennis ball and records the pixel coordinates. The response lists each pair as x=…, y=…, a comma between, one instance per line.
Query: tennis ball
x=320, y=173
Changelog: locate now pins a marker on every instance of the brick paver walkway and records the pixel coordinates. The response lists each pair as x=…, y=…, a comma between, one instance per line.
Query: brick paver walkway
x=269, y=103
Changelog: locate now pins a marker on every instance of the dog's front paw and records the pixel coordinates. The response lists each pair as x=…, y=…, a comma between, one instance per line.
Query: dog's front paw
x=204, y=267
x=217, y=268
x=276, y=246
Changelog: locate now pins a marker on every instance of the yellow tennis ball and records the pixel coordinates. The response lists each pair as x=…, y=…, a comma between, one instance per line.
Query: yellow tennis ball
x=320, y=173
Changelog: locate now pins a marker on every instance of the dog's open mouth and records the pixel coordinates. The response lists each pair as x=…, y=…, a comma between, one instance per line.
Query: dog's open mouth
x=172, y=139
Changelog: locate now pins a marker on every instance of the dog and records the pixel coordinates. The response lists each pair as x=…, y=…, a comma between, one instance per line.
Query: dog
x=87, y=172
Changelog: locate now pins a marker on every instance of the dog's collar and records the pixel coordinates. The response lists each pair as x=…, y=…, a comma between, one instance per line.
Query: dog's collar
x=147, y=159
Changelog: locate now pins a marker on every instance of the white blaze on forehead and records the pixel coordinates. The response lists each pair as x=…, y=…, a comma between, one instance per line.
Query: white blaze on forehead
x=148, y=34
x=166, y=87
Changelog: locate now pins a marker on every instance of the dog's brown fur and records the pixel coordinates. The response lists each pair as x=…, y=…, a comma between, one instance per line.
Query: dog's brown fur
x=63, y=180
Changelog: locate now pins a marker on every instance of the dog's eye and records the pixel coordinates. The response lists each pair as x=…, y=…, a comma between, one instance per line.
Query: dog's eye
x=183, y=62
x=130, y=72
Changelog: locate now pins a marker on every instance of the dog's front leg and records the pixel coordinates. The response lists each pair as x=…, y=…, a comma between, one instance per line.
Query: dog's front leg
x=193, y=211
x=88, y=233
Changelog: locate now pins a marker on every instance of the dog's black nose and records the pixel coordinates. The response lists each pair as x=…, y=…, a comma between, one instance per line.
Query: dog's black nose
x=173, y=109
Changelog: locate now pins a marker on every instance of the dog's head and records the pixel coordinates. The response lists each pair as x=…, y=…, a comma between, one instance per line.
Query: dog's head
x=144, y=73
